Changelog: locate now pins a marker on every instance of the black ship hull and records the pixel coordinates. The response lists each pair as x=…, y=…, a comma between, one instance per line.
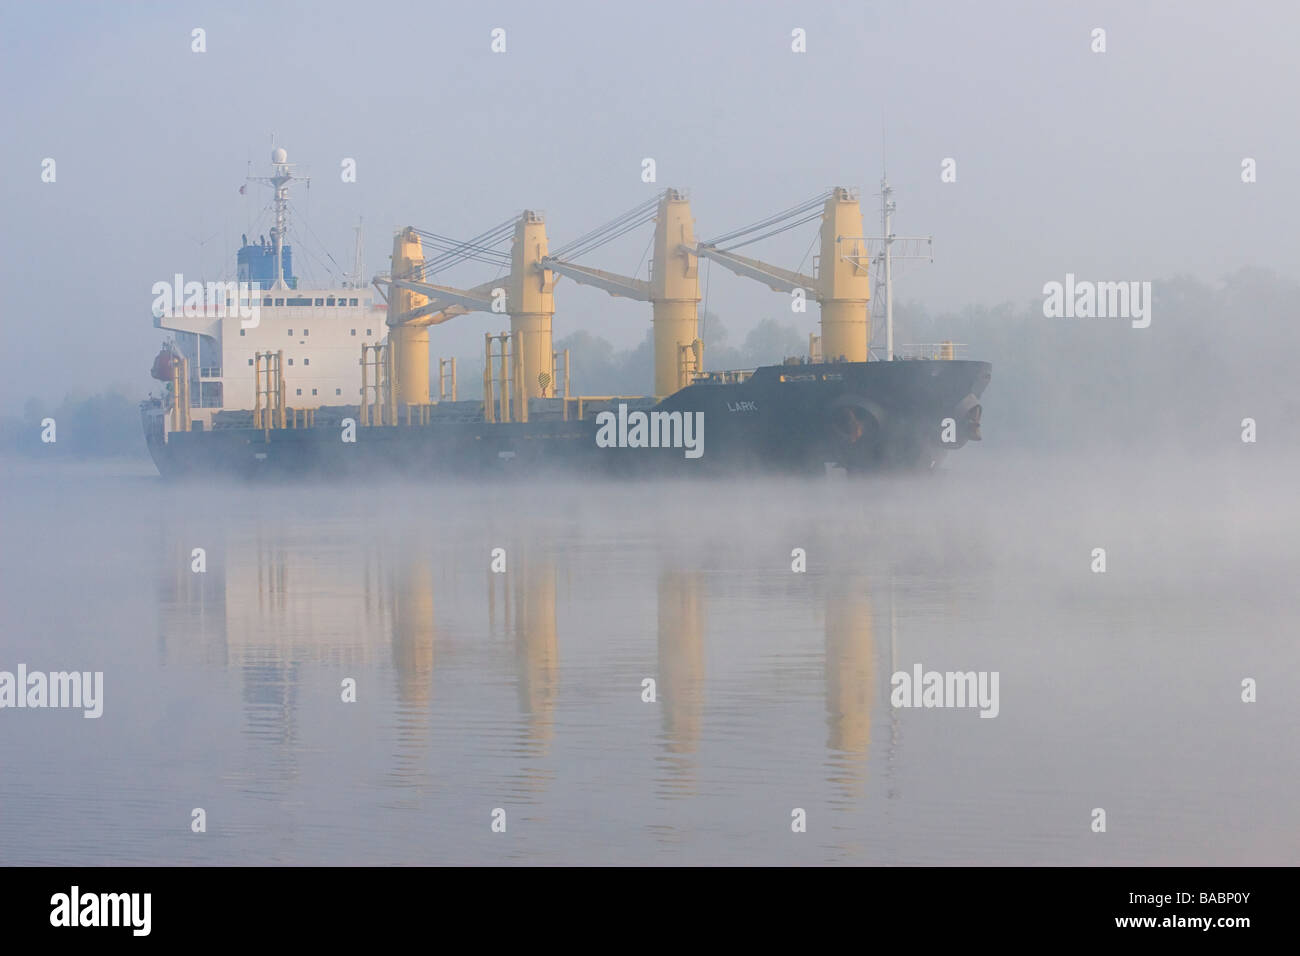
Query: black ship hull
x=863, y=417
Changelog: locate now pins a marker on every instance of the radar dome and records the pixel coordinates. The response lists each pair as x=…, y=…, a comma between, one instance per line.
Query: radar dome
x=279, y=156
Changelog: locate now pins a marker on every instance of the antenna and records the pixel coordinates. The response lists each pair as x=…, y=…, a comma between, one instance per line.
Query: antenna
x=201, y=242
x=282, y=176
x=914, y=247
x=358, y=274
x=884, y=153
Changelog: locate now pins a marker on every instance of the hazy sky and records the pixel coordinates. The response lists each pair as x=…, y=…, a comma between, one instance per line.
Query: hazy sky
x=1122, y=165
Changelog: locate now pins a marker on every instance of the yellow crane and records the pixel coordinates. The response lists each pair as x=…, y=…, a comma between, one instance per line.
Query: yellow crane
x=842, y=283
x=673, y=289
x=525, y=294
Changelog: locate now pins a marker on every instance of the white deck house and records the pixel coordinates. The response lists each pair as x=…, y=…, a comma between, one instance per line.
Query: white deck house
x=319, y=331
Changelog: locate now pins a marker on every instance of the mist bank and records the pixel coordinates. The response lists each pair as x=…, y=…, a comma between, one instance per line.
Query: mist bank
x=104, y=425
x=1212, y=356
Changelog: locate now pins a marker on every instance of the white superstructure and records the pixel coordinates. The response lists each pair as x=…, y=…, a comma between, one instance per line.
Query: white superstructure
x=319, y=331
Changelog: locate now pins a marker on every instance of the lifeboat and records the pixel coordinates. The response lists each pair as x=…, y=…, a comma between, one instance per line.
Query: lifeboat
x=164, y=365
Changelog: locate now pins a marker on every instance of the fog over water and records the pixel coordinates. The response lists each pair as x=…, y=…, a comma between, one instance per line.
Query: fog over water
x=523, y=690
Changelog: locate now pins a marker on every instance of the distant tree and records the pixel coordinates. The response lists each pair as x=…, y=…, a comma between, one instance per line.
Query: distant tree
x=591, y=362
x=33, y=411
x=591, y=350
x=772, y=342
x=713, y=331
x=636, y=369
x=97, y=426
x=1211, y=356
x=718, y=355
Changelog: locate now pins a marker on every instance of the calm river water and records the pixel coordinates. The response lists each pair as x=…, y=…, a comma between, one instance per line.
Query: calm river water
x=523, y=691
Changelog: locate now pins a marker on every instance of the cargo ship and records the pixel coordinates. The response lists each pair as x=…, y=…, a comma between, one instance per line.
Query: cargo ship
x=262, y=377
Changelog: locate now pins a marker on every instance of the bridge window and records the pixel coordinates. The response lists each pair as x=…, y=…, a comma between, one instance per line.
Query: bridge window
x=320, y=301
x=266, y=301
x=352, y=301
x=279, y=301
x=330, y=300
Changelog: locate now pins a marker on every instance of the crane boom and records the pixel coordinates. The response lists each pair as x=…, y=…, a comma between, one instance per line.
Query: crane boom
x=477, y=299
x=774, y=277
x=432, y=314
x=609, y=282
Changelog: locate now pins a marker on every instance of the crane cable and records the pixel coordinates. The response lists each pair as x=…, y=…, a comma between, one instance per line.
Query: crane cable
x=612, y=229
x=804, y=212
x=490, y=237
x=452, y=251
x=812, y=217
x=300, y=216
x=618, y=226
x=796, y=210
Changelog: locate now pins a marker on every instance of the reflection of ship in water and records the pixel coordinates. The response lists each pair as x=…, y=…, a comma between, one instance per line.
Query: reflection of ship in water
x=527, y=599
x=850, y=676
x=680, y=682
x=278, y=607
x=293, y=600
x=410, y=597
x=413, y=627
x=268, y=604
x=191, y=604
x=850, y=686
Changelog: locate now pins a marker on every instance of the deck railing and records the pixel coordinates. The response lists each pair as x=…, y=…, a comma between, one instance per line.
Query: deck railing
x=933, y=350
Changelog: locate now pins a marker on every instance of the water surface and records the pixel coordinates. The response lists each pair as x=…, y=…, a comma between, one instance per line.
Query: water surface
x=523, y=690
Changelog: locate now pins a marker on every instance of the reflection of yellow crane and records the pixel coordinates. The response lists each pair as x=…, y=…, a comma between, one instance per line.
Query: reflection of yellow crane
x=850, y=665
x=673, y=289
x=681, y=658
x=537, y=653
x=415, y=303
x=413, y=627
x=842, y=283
